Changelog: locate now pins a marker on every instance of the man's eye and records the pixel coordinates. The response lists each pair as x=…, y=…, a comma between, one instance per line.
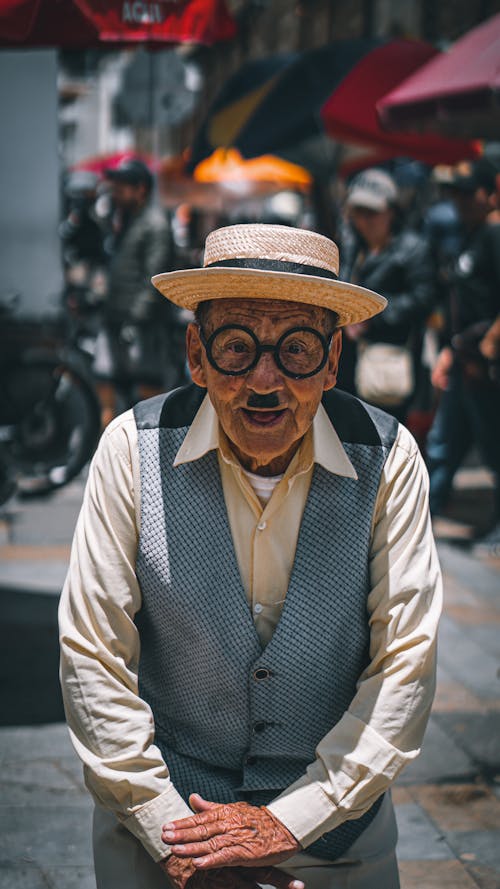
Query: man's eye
x=237, y=347
x=295, y=348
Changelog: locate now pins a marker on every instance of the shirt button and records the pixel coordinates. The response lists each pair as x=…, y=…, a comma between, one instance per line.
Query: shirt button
x=258, y=608
x=261, y=526
x=261, y=673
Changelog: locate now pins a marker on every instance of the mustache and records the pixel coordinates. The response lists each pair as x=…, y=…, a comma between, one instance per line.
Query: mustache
x=269, y=400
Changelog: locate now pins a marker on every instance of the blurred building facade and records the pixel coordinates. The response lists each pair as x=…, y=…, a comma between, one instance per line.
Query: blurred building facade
x=98, y=116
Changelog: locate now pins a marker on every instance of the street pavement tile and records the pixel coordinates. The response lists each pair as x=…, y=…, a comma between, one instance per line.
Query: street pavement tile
x=435, y=875
x=41, y=783
x=49, y=520
x=35, y=575
x=456, y=594
x=418, y=837
x=470, y=572
x=477, y=847
x=459, y=807
x=453, y=697
x=23, y=744
x=488, y=636
x=464, y=658
x=22, y=877
x=478, y=735
x=441, y=759
x=400, y=795
x=46, y=841
x=18, y=552
x=70, y=877
x=476, y=616
x=485, y=877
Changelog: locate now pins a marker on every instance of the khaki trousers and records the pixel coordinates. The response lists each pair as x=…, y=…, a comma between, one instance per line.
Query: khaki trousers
x=121, y=861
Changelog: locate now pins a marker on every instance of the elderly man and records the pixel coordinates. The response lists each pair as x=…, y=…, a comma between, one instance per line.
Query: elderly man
x=249, y=618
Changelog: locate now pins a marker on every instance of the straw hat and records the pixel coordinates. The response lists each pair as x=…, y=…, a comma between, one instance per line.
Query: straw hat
x=256, y=261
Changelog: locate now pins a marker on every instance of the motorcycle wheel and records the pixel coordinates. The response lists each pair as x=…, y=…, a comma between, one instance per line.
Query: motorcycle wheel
x=54, y=423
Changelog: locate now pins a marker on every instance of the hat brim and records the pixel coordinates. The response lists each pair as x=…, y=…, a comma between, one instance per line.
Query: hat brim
x=189, y=287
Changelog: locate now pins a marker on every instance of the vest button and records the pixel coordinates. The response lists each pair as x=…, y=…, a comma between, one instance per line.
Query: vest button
x=250, y=760
x=261, y=673
x=259, y=726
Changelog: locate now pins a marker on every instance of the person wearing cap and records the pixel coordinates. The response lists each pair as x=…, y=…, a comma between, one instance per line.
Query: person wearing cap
x=467, y=371
x=132, y=354
x=248, y=623
x=396, y=263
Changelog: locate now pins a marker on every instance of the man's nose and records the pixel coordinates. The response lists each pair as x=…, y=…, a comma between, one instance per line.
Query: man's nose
x=266, y=375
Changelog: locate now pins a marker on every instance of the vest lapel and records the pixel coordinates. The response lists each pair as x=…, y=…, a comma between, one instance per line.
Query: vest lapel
x=316, y=583
x=203, y=529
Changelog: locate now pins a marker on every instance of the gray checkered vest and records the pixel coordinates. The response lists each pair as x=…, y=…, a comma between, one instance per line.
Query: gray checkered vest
x=234, y=720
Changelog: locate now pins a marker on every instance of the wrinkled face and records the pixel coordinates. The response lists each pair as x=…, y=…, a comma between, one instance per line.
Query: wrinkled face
x=374, y=226
x=263, y=437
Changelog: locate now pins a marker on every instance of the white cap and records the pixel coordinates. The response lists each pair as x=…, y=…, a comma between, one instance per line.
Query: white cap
x=373, y=189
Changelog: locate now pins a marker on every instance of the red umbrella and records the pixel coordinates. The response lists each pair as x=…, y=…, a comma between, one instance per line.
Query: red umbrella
x=350, y=115
x=456, y=93
x=81, y=23
x=99, y=163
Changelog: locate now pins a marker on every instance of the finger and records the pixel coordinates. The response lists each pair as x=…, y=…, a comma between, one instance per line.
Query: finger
x=198, y=804
x=208, y=817
x=273, y=876
x=199, y=850
x=193, y=834
x=227, y=857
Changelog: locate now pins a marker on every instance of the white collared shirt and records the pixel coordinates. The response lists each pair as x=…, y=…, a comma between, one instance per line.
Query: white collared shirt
x=112, y=727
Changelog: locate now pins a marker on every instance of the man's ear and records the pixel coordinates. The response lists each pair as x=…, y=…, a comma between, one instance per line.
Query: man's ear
x=333, y=361
x=194, y=354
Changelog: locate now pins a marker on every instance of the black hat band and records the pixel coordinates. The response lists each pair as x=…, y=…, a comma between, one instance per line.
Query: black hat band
x=274, y=265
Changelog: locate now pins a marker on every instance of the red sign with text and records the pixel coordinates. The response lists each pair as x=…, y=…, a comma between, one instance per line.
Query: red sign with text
x=90, y=22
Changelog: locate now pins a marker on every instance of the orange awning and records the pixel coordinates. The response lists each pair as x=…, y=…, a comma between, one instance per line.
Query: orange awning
x=228, y=166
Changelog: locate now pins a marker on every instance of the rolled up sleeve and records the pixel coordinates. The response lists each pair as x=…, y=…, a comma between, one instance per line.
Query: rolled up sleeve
x=111, y=727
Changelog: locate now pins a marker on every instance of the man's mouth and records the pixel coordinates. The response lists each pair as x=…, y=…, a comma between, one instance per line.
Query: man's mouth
x=264, y=417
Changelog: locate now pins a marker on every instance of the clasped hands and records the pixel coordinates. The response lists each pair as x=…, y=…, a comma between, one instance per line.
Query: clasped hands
x=228, y=847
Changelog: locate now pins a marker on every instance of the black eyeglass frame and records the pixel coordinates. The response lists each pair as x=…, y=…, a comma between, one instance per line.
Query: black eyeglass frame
x=326, y=342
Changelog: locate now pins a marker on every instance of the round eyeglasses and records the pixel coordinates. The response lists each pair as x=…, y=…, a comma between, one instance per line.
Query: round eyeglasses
x=299, y=353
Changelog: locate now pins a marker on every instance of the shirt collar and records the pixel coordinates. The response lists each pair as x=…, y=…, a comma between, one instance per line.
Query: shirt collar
x=205, y=435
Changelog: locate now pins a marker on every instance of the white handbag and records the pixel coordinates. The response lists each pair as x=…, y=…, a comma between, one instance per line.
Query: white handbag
x=384, y=373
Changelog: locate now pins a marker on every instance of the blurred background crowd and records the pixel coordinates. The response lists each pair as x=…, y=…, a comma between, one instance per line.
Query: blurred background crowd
x=136, y=128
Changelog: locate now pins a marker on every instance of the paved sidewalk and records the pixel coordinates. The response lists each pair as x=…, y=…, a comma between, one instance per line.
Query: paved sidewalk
x=447, y=801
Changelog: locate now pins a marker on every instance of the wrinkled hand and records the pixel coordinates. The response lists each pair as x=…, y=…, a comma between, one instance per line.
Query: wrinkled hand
x=178, y=870
x=228, y=835
x=182, y=874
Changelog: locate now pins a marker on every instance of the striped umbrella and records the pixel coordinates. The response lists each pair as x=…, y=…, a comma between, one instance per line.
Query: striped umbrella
x=274, y=103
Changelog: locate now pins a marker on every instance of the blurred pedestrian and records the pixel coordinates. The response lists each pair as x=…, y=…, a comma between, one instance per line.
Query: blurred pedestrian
x=84, y=255
x=80, y=231
x=467, y=369
x=133, y=358
x=382, y=356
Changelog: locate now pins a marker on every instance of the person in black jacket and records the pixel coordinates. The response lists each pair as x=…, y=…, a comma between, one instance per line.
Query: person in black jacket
x=397, y=264
x=467, y=372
